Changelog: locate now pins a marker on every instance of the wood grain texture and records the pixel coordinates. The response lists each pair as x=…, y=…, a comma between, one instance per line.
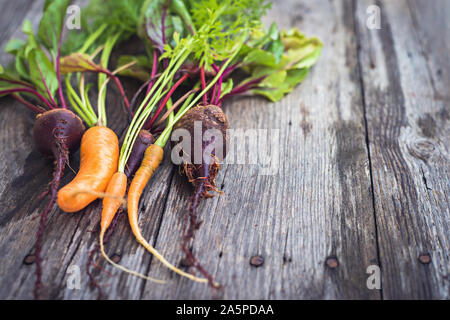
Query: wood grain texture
x=362, y=177
x=408, y=131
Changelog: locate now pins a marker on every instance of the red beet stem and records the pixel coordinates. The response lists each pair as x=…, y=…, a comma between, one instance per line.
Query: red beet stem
x=163, y=103
x=29, y=90
x=227, y=70
x=246, y=86
x=47, y=89
x=17, y=82
x=154, y=70
x=163, y=24
x=29, y=105
x=119, y=86
x=202, y=76
x=217, y=101
x=213, y=93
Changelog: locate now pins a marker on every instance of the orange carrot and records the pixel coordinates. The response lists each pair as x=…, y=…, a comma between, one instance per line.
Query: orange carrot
x=151, y=161
x=117, y=187
x=152, y=158
x=98, y=161
x=112, y=200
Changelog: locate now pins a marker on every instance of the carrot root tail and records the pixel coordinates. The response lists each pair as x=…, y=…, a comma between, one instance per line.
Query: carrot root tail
x=163, y=260
x=137, y=274
x=92, y=254
x=102, y=195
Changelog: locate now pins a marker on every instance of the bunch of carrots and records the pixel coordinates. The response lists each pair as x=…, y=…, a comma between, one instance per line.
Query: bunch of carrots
x=194, y=49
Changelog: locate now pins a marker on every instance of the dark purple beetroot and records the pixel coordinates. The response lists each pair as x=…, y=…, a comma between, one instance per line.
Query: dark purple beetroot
x=144, y=139
x=201, y=175
x=55, y=128
x=55, y=132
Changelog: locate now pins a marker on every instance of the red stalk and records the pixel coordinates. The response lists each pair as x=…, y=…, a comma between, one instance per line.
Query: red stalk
x=213, y=93
x=216, y=102
x=29, y=105
x=17, y=82
x=202, y=76
x=154, y=70
x=46, y=88
x=119, y=85
x=163, y=103
x=246, y=86
x=29, y=90
x=227, y=70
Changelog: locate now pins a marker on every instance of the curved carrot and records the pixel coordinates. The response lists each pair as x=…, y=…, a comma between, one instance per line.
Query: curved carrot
x=152, y=158
x=98, y=162
x=112, y=200
x=151, y=161
x=116, y=189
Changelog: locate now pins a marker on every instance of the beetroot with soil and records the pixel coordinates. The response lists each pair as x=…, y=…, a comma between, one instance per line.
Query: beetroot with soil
x=201, y=175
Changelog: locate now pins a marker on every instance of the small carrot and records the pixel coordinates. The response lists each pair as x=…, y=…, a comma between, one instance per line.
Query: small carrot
x=117, y=187
x=99, y=156
x=151, y=161
x=115, y=191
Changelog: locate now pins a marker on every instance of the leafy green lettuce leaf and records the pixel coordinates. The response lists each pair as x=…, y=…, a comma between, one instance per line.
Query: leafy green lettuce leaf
x=281, y=59
x=51, y=24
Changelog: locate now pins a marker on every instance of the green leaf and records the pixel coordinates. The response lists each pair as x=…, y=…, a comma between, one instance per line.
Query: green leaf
x=309, y=60
x=276, y=48
x=151, y=27
x=274, y=80
x=32, y=42
x=283, y=61
x=300, y=51
x=295, y=76
x=78, y=62
x=42, y=68
x=14, y=46
x=273, y=94
x=21, y=67
x=8, y=74
x=261, y=57
x=27, y=27
x=140, y=70
x=51, y=24
x=226, y=87
x=273, y=32
x=181, y=10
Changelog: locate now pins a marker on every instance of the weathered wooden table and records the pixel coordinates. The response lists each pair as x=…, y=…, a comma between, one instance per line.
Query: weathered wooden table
x=363, y=177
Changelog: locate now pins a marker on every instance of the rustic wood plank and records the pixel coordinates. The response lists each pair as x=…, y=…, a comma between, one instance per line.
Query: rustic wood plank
x=317, y=205
x=406, y=95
